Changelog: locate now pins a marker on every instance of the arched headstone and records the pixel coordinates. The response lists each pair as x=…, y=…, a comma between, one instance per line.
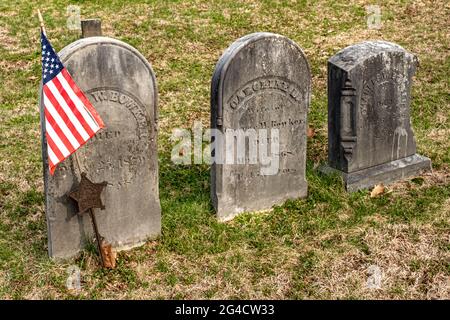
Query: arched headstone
x=260, y=95
x=121, y=85
x=370, y=140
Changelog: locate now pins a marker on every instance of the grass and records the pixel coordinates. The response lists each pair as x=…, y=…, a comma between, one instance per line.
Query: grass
x=319, y=247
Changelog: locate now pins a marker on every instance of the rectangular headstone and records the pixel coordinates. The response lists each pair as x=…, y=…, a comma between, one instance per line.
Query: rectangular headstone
x=91, y=28
x=121, y=85
x=260, y=96
x=370, y=140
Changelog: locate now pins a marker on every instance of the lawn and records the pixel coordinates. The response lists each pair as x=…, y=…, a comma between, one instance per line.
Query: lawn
x=322, y=247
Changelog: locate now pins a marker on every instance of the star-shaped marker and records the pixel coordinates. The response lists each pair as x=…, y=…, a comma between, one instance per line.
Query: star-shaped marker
x=88, y=194
x=88, y=197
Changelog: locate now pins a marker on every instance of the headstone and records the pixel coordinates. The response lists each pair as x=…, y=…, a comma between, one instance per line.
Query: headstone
x=370, y=140
x=261, y=90
x=91, y=28
x=121, y=85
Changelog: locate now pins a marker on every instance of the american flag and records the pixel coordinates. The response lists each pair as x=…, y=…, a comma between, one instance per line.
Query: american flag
x=70, y=119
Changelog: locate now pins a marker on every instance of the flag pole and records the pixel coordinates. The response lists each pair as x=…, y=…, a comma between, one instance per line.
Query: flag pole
x=98, y=237
x=41, y=22
x=43, y=130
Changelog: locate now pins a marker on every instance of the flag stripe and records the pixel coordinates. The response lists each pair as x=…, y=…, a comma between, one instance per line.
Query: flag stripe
x=58, y=156
x=52, y=159
x=59, y=145
x=59, y=132
x=66, y=101
x=50, y=163
x=78, y=103
x=62, y=103
x=64, y=138
x=87, y=104
x=58, y=113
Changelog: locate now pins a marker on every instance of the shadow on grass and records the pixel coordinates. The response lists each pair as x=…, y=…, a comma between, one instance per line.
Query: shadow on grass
x=190, y=227
x=188, y=221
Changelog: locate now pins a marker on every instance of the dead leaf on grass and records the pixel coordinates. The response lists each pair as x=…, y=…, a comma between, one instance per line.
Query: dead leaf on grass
x=311, y=132
x=109, y=255
x=379, y=189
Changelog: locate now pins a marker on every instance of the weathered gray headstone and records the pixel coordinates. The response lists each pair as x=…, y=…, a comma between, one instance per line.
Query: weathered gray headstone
x=370, y=140
x=261, y=82
x=121, y=85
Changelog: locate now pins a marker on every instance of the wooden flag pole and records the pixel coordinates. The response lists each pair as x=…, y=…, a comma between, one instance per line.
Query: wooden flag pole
x=41, y=21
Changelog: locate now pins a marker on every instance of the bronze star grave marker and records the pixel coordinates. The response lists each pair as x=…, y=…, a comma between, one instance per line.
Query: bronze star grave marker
x=88, y=197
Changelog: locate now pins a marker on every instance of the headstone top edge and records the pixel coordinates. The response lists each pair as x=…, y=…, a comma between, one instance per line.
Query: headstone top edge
x=355, y=54
x=69, y=49
x=228, y=55
x=91, y=19
x=234, y=48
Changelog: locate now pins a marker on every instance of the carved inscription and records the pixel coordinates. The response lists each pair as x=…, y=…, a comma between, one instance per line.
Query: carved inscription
x=119, y=148
x=270, y=103
x=379, y=92
x=126, y=100
x=263, y=84
x=251, y=174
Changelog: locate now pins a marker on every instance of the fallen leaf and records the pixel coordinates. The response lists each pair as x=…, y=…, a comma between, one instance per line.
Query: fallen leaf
x=317, y=40
x=109, y=255
x=311, y=132
x=377, y=190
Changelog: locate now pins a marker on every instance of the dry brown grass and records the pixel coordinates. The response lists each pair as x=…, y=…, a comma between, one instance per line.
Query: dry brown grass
x=408, y=256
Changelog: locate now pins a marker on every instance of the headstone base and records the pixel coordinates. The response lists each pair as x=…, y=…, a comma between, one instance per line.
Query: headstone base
x=228, y=212
x=384, y=173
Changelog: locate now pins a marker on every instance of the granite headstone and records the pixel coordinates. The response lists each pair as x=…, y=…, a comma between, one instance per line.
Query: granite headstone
x=370, y=140
x=121, y=85
x=261, y=87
